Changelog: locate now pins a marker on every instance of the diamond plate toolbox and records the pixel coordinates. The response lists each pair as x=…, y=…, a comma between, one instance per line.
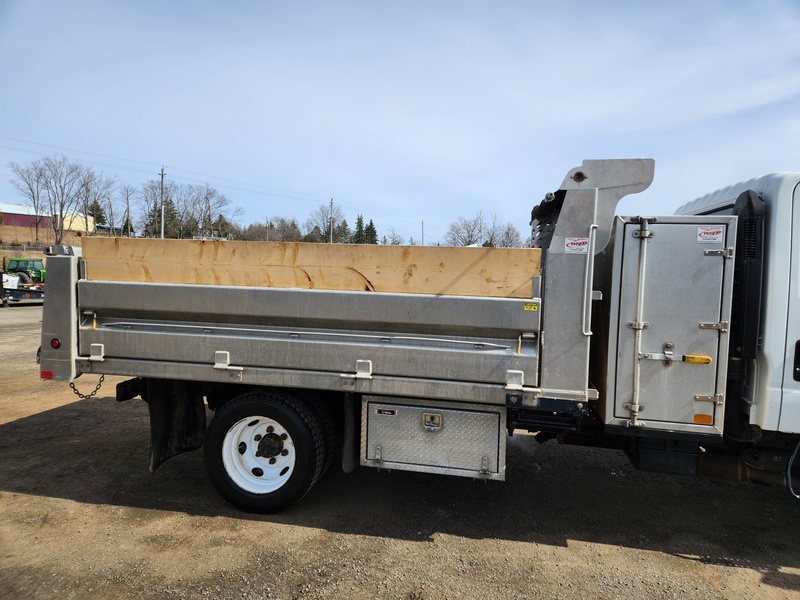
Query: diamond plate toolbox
x=442, y=437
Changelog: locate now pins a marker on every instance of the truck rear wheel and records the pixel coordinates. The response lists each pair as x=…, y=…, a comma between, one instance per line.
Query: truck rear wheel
x=265, y=450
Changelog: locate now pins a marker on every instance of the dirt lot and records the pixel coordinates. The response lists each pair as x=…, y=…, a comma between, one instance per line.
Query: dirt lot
x=81, y=517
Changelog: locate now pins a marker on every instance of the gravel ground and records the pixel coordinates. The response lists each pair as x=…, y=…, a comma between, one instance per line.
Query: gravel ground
x=81, y=517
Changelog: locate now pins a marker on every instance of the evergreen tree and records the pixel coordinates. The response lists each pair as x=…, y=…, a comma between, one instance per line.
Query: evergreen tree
x=98, y=213
x=371, y=233
x=360, y=236
x=126, y=226
x=153, y=220
x=342, y=233
x=223, y=228
x=315, y=235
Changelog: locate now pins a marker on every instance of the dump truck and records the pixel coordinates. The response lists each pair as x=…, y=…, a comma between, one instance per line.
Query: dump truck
x=667, y=337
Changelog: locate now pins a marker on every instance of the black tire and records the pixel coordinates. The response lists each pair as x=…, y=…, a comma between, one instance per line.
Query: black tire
x=23, y=277
x=326, y=423
x=265, y=450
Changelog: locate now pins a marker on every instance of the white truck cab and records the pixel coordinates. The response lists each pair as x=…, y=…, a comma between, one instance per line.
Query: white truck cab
x=771, y=391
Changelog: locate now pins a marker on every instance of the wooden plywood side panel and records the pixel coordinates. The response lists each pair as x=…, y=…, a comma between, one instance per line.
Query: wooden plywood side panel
x=498, y=272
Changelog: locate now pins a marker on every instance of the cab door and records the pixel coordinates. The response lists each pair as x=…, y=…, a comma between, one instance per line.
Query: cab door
x=789, y=421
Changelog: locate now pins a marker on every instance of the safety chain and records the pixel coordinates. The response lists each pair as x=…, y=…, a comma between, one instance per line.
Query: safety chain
x=87, y=396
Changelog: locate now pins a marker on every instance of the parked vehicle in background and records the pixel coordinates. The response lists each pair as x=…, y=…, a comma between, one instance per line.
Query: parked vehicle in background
x=14, y=290
x=29, y=270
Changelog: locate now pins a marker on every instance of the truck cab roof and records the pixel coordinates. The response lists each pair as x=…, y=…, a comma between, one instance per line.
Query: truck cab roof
x=716, y=202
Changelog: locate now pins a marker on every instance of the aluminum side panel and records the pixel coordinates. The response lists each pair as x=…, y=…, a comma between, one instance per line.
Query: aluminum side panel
x=454, y=315
x=685, y=288
x=431, y=358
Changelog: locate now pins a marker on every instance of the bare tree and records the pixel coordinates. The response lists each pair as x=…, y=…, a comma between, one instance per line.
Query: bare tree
x=62, y=182
x=497, y=235
x=395, y=239
x=491, y=231
x=277, y=229
x=98, y=196
x=87, y=181
x=465, y=232
x=28, y=180
x=322, y=219
x=189, y=209
x=510, y=237
x=211, y=206
x=125, y=195
x=187, y=200
x=478, y=231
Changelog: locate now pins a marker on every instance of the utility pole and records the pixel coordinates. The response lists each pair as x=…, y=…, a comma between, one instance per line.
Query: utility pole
x=162, y=203
x=128, y=212
x=423, y=233
x=331, y=220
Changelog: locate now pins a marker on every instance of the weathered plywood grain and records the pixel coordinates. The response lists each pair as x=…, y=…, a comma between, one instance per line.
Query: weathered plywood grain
x=493, y=272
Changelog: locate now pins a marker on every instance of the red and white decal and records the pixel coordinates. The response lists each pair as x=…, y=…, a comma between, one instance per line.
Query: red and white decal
x=576, y=245
x=714, y=234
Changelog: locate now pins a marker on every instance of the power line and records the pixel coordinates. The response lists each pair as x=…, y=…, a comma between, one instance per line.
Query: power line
x=295, y=193
x=231, y=184
x=141, y=162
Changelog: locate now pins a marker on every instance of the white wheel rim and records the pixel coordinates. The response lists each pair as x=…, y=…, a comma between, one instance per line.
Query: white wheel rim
x=258, y=454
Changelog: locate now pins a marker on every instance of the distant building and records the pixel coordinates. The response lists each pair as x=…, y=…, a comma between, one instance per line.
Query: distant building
x=18, y=215
x=79, y=223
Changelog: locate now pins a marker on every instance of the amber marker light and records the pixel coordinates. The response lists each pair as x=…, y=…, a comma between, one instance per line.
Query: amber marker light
x=704, y=419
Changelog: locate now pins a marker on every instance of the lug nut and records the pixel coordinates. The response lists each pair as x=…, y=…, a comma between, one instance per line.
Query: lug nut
x=272, y=460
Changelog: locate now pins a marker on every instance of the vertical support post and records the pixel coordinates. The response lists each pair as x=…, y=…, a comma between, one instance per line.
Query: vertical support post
x=582, y=230
x=162, y=203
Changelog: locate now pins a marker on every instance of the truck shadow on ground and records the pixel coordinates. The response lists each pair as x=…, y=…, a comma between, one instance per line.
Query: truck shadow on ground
x=96, y=452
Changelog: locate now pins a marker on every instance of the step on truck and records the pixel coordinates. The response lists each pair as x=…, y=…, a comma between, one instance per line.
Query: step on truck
x=673, y=338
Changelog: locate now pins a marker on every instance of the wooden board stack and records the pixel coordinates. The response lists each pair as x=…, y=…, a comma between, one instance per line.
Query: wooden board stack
x=488, y=272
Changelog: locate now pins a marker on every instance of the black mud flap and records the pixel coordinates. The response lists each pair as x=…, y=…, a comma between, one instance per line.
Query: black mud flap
x=352, y=432
x=177, y=419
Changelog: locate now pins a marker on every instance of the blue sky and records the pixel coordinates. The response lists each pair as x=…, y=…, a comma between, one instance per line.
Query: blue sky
x=402, y=111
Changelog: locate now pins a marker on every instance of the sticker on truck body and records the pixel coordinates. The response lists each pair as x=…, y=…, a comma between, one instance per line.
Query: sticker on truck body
x=576, y=245
x=714, y=234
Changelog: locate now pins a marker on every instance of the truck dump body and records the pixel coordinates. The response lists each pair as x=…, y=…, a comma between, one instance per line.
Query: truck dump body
x=612, y=331
x=442, y=345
